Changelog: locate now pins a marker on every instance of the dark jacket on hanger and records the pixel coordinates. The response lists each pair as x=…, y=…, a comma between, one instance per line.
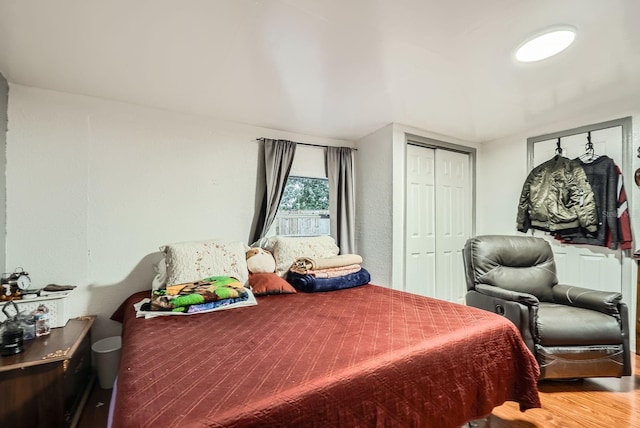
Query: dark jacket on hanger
x=556, y=196
x=603, y=178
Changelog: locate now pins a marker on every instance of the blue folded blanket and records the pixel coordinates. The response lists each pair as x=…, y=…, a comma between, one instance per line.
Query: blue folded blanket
x=310, y=284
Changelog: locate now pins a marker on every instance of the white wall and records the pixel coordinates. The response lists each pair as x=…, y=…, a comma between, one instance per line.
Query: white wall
x=633, y=193
x=374, y=203
x=4, y=104
x=501, y=172
x=94, y=187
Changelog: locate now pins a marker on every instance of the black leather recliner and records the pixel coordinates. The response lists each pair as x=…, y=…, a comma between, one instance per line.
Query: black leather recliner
x=573, y=332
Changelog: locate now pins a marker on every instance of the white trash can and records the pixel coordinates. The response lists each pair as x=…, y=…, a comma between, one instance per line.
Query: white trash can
x=106, y=353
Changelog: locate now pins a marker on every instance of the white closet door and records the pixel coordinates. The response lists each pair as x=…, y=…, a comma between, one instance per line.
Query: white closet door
x=586, y=265
x=438, y=222
x=453, y=222
x=420, y=243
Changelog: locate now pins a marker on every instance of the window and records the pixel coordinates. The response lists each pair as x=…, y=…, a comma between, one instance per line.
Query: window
x=304, y=208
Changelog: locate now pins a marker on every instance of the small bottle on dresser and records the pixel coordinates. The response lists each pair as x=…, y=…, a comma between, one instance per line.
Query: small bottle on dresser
x=41, y=315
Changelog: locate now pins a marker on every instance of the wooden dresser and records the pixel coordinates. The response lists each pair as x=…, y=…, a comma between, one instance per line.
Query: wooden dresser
x=48, y=384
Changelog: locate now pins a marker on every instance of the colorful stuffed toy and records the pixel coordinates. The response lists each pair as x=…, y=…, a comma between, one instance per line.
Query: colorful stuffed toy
x=260, y=260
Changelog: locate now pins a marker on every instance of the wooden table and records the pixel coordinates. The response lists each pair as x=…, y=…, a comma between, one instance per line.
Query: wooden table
x=48, y=384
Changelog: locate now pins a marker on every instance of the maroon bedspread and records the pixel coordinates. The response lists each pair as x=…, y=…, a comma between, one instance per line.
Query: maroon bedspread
x=362, y=357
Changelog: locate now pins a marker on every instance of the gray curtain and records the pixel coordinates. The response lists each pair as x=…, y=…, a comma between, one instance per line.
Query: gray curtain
x=339, y=163
x=275, y=159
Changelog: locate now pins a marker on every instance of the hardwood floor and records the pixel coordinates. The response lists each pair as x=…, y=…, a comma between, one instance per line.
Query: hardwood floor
x=96, y=410
x=587, y=403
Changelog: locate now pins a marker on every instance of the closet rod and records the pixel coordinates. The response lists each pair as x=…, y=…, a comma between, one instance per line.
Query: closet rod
x=572, y=132
x=311, y=144
x=627, y=137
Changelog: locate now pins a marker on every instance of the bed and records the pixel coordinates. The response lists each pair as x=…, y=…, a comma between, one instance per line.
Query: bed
x=360, y=357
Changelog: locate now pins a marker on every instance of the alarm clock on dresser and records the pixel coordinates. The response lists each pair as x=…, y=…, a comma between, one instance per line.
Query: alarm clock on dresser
x=15, y=283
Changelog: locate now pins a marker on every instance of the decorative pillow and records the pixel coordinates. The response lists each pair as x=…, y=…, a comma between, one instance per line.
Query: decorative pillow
x=287, y=249
x=193, y=260
x=265, y=283
x=260, y=260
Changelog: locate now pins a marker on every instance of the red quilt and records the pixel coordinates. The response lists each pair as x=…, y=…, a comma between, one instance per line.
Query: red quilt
x=367, y=356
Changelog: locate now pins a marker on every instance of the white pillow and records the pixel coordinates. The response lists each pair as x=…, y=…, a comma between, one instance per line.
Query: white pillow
x=196, y=260
x=287, y=249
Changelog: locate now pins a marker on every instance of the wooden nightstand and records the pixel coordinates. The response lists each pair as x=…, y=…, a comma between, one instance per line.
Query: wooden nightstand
x=48, y=384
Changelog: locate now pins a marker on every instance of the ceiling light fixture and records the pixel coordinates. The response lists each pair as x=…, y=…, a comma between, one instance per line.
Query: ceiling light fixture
x=545, y=45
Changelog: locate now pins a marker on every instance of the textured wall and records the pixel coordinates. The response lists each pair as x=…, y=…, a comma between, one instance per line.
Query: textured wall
x=502, y=169
x=95, y=187
x=4, y=100
x=374, y=204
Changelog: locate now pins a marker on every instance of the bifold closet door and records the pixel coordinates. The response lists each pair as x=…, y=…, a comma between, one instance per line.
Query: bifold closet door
x=437, y=222
x=420, y=221
x=453, y=222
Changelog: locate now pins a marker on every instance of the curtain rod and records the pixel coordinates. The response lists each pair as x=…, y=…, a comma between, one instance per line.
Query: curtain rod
x=310, y=144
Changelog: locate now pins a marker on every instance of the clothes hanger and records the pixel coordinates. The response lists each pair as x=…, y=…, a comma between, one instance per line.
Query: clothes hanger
x=589, y=154
x=559, y=148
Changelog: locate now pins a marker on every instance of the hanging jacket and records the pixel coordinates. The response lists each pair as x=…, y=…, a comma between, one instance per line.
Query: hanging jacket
x=625, y=237
x=555, y=196
x=603, y=178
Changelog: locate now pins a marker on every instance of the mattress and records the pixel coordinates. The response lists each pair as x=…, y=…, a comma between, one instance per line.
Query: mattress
x=360, y=357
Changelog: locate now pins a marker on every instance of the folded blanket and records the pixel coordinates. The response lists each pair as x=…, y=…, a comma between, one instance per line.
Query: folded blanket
x=310, y=263
x=328, y=273
x=197, y=296
x=310, y=283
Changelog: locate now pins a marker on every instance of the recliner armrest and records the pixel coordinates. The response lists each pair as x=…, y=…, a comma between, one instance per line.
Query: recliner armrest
x=501, y=293
x=602, y=301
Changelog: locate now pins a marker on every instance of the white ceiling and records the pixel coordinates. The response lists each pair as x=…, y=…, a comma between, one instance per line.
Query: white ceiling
x=334, y=68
